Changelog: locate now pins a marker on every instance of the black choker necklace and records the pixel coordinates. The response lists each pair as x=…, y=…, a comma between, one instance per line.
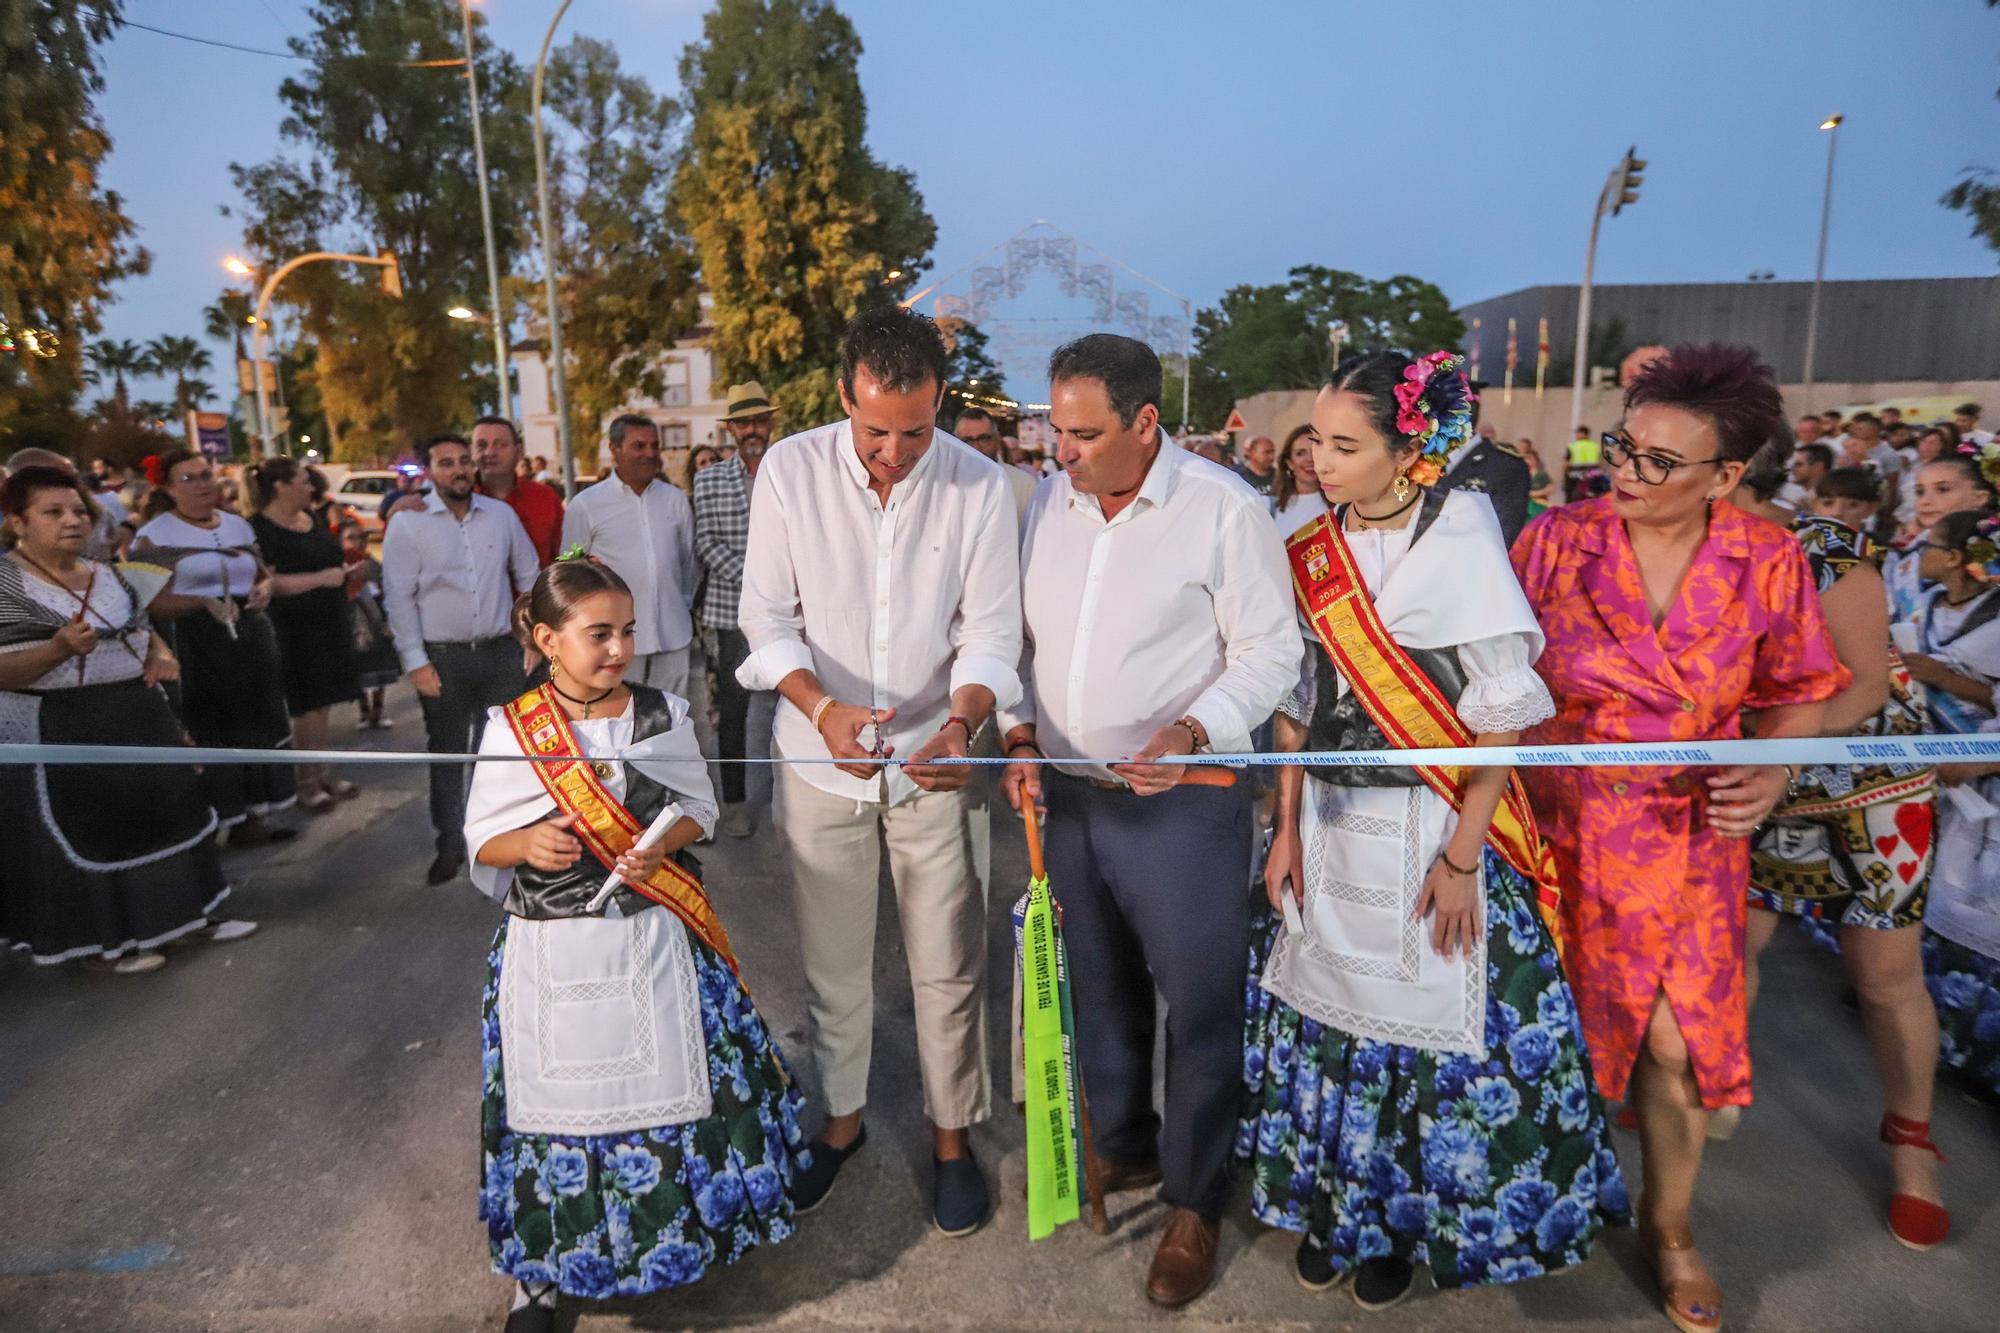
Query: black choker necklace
x=1416, y=495
x=585, y=704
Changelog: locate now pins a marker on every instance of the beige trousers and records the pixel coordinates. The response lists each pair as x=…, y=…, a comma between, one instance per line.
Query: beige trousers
x=837, y=857
x=835, y=845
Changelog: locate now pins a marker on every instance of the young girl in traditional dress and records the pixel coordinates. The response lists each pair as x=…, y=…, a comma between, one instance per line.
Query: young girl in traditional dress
x=1420, y=1089
x=638, y=1123
x=1958, y=663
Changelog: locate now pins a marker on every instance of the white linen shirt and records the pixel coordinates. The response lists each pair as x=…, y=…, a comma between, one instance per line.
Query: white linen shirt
x=450, y=580
x=649, y=540
x=891, y=605
x=1179, y=607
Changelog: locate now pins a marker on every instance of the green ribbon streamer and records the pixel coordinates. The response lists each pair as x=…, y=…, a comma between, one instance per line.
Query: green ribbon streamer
x=1053, y=1187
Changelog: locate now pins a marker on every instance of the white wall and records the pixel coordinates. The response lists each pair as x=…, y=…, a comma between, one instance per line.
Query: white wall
x=693, y=417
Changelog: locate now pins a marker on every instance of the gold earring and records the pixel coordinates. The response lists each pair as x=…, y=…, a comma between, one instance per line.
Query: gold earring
x=1402, y=487
x=555, y=669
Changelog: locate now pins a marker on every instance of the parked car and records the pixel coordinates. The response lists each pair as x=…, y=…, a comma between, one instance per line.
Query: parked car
x=359, y=496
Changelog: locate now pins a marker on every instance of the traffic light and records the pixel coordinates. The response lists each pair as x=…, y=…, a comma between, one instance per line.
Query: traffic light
x=1629, y=180
x=392, y=274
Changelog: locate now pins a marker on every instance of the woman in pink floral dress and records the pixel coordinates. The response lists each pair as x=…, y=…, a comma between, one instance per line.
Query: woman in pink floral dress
x=1669, y=617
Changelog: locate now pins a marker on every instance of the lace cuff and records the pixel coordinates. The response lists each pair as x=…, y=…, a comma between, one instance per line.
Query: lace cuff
x=1513, y=702
x=1298, y=706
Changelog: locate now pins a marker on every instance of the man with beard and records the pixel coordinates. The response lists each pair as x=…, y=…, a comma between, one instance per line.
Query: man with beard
x=643, y=527
x=882, y=599
x=450, y=573
x=721, y=535
x=496, y=452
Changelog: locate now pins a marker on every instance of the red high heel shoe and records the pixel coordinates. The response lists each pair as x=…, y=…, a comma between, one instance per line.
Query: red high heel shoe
x=1917, y=1223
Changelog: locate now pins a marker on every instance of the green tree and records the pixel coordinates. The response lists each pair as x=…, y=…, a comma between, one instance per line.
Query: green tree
x=1401, y=311
x=178, y=357
x=969, y=368
x=226, y=320
x=1977, y=193
x=625, y=277
x=796, y=224
x=1276, y=336
x=113, y=360
x=385, y=160
x=63, y=238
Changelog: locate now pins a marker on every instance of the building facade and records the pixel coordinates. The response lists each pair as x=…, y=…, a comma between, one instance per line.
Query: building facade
x=688, y=411
x=1893, y=330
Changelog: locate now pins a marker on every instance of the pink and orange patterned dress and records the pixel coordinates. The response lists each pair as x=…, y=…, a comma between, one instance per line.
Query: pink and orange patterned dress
x=1652, y=898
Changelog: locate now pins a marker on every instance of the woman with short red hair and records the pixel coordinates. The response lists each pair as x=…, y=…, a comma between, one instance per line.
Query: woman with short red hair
x=1671, y=617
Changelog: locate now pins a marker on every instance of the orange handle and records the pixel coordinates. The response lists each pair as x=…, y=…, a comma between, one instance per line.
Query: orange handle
x=1031, y=820
x=1201, y=775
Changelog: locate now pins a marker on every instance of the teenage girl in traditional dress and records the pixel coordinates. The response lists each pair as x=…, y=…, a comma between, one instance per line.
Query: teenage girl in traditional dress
x=638, y=1123
x=1958, y=662
x=1420, y=1090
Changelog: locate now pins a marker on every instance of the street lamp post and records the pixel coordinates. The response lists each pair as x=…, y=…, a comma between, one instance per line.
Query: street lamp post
x=392, y=283
x=1620, y=188
x=1832, y=127
x=486, y=220
x=558, y=379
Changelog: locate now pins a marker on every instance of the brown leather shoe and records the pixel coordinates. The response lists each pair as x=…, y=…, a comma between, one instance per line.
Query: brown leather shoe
x=1184, y=1265
x=1122, y=1176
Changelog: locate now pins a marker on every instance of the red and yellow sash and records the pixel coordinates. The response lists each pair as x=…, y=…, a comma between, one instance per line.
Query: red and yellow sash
x=606, y=827
x=1401, y=699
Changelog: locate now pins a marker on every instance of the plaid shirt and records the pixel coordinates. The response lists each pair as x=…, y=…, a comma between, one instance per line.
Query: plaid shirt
x=721, y=535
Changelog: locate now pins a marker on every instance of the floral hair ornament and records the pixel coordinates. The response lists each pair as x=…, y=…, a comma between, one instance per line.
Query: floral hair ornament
x=576, y=551
x=1434, y=409
x=1982, y=549
x=1984, y=457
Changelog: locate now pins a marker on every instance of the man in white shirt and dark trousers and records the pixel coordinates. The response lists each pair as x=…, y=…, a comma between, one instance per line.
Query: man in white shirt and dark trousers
x=1159, y=623
x=643, y=528
x=881, y=599
x=450, y=573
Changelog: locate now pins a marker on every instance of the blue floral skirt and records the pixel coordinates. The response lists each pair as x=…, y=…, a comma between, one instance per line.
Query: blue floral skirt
x=1492, y=1169
x=1965, y=986
x=629, y=1214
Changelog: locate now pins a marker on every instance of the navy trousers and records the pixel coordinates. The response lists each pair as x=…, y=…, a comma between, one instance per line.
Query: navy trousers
x=1155, y=897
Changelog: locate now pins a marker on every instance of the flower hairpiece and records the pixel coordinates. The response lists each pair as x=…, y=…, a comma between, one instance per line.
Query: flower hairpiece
x=1434, y=409
x=575, y=551
x=1985, y=457
x=1982, y=549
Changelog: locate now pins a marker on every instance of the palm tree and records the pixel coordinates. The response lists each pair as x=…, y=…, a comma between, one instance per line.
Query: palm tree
x=229, y=316
x=151, y=410
x=116, y=359
x=179, y=357
x=198, y=391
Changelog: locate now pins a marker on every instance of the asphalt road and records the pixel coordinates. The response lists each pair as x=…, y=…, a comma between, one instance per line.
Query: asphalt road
x=281, y=1134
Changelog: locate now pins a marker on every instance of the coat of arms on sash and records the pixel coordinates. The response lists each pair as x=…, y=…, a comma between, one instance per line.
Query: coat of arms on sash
x=1318, y=564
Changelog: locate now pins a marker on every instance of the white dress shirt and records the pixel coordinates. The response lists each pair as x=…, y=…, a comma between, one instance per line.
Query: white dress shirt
x=649, y=540
x=891, y=605
x=1179, y=607
x=452, y=580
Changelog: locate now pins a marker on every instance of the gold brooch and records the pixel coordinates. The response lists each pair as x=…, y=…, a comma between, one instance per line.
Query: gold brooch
x=602, y=769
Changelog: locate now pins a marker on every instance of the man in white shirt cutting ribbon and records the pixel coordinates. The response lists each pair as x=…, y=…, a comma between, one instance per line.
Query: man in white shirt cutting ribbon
x=1159, y=622
x=881, y=599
